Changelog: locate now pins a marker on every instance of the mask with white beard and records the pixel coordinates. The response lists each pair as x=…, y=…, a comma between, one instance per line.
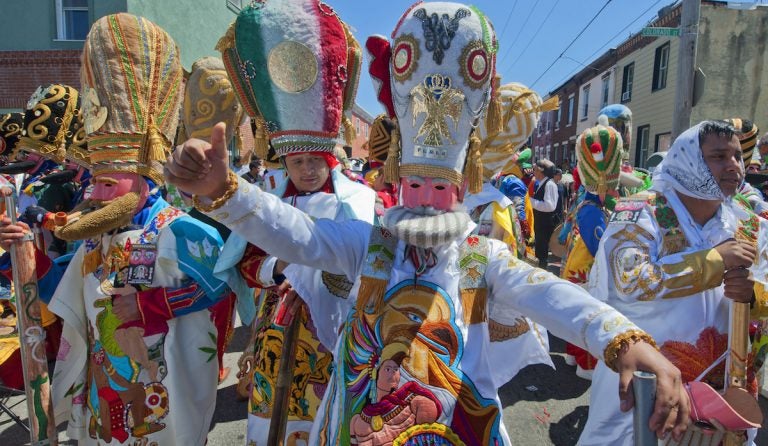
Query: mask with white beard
x=426, y=227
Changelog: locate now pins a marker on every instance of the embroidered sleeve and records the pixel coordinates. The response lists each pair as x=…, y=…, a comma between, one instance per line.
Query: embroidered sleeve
x=160, y=304
x=632, y=259
x=256, y=267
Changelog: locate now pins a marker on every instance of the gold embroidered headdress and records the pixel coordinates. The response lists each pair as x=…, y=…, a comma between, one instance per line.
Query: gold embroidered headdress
x=131, y=92
x=51, y=122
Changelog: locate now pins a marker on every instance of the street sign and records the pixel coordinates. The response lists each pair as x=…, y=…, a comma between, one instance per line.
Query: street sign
x=660, y=31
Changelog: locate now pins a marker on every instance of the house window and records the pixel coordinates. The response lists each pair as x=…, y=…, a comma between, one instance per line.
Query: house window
x=663, y=142
x=549, y=124
x=641, y=150
x=626, y=83
x=557, y=116
x=72, y=19
x=571, y=103
x=605, y=90
x=585, y=102
x=660, y=67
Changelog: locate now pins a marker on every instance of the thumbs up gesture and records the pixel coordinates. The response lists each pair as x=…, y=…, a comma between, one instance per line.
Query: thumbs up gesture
x=199, y=168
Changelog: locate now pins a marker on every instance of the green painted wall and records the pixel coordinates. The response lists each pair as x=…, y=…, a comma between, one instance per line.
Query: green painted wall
x=30, y=25
x=195, y=25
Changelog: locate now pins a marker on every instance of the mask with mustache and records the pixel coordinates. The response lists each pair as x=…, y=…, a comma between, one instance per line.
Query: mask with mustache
x=425, y=227
x=114, y=214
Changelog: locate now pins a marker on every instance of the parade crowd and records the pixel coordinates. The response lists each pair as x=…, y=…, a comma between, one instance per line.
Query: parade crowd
x=386, y=306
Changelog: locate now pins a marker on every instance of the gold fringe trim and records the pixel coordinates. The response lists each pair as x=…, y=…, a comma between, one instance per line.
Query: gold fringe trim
x=261, y=139
x=494, y=123
x=474, y=302
x=428, y=170
x=155, y=145
x=370, y=296
x=621, y=342
x=391, y=166
x=226, y=41
x=473, y=172
x=91, y=261
x=349, y=130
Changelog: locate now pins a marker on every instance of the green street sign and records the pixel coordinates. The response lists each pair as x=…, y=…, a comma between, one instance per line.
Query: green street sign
x=660, y=31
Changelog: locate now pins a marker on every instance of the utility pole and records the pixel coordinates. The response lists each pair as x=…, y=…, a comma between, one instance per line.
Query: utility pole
x=686, y=66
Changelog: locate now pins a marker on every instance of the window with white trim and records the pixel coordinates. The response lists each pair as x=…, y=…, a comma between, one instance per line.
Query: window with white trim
x=72, y=21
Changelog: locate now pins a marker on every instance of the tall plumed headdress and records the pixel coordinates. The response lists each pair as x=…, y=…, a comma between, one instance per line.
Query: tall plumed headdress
x=598, y=154
x=435, y=77
x=295, y=66
x=618, y=116
x=131, y=80
x=52, y=123
x=521, y=109
x=11, y=125
x=209, y=98
x=747, y=133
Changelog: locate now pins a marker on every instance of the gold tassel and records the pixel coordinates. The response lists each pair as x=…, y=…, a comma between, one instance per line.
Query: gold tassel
x=238, y=144
x=370, y=296
x=474, y=169
x=261, y=139
x=392, y=165
x=602, y=186
x=154, y=145
x=227, y=41
x=349, y=130
x=493, y=120
x=474, y=301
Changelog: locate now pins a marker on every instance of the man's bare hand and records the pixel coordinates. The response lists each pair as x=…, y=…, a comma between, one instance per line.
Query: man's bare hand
x=197, y=167
x=11, y=233
x=670, y=414
x=736, y=253
x=738, y=285
x=126, y=308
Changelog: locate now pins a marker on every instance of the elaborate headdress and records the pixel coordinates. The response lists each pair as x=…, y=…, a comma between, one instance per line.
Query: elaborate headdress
x=10, y=131
x=52, y=122
x=208, y=99
x=379, y=140
x=295, y=66
x=619, y=117
x=598, y=153
x=521, y=110
x=436, y=78
x=747, y=133
x=131, y=92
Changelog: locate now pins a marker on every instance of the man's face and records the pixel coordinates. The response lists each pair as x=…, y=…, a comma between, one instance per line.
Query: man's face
x=723, y=157
x=307, y=172
x=425, y=191
x=538, y=173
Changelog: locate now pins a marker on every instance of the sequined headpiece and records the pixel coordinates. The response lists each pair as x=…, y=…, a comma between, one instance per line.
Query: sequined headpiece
x=436, y=77
x=52, y=122
x=208, y=99
x=11, y=125
x=598, y=153
x=747, y=133
x=379, y=140
x=295, y=66
x=521, y=109
x=131, y=77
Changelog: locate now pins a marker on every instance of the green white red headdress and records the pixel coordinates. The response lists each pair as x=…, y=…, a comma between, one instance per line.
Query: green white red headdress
x=435, y=77
x=295, y=66
x=598, y=153
x=747, y=133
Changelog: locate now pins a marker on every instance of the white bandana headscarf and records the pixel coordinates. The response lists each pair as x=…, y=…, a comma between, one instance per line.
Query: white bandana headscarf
x=685, y=171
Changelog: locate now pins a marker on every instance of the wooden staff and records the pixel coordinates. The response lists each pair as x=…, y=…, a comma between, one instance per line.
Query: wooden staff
x=37, y=385
x=279, y=420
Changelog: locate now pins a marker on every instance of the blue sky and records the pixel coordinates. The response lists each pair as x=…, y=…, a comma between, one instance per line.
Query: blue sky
x=532, y=34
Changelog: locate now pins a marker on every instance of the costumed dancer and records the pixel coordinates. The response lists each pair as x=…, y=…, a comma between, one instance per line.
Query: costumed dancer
x=209, y=98
x=598, y=156
x=412, y=363
x=137, y=361
x=673, y=263
x=511, y=118
x=513, y=182
x=747, y=133
x=299, y=108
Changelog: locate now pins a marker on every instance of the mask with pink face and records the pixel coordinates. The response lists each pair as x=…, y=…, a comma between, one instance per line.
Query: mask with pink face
x=108, y=187
x=438, y=193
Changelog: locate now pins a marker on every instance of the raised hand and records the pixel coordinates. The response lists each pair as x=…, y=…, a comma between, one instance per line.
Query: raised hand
x=736, y=254
x=199, y=168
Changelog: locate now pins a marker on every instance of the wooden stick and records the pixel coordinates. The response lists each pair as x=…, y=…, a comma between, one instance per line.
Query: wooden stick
x=37, y=384
x=279, y=420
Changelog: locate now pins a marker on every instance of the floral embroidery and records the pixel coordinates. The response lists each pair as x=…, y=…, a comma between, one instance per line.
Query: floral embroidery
x=692, y=359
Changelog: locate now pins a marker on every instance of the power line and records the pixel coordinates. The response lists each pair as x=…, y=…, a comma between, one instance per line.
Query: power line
x=534, y=36
x=520, y=30
x=572, y=42
x=608, y=42
x=509, y=16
